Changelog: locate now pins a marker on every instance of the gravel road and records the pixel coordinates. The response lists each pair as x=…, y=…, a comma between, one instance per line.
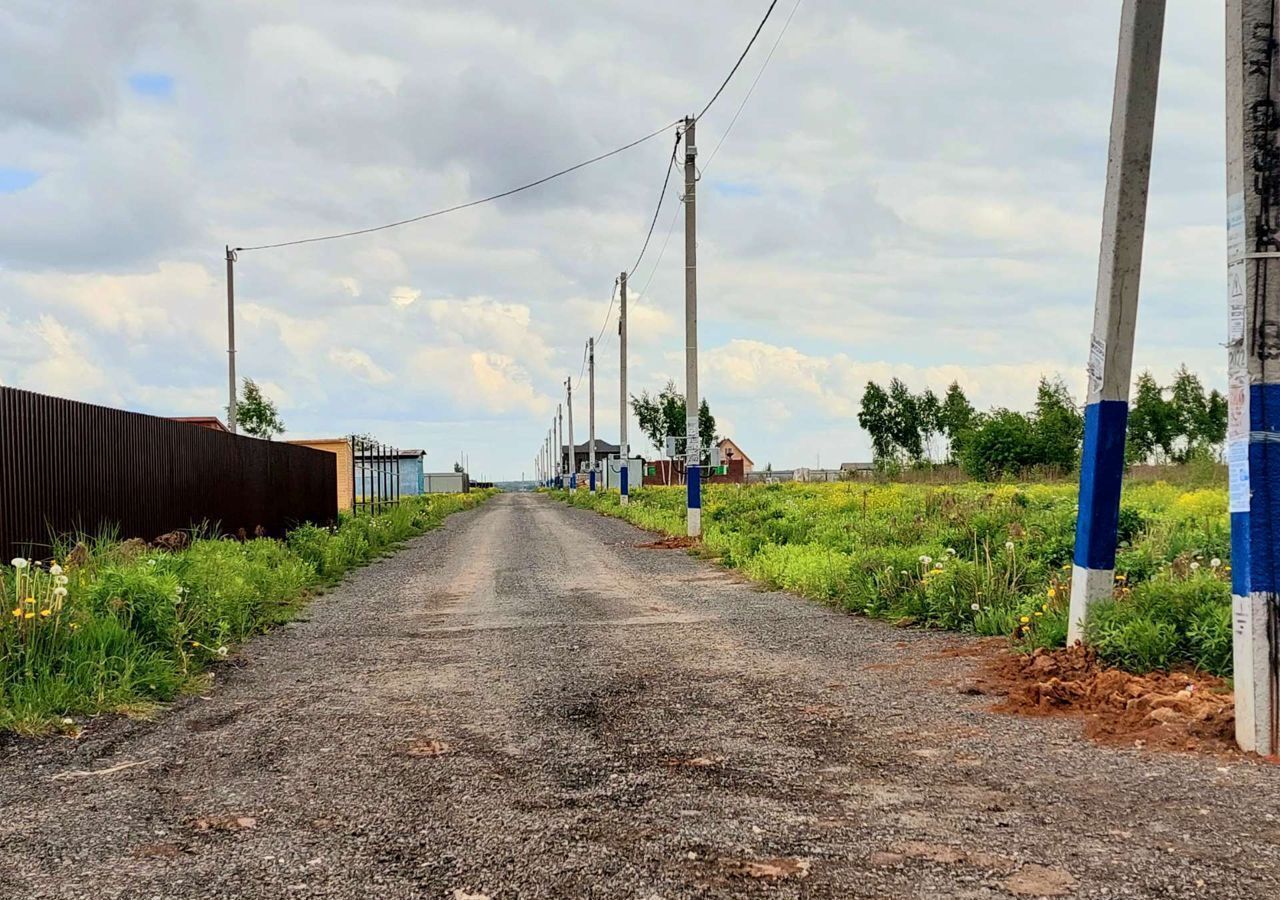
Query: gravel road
x=526, y=704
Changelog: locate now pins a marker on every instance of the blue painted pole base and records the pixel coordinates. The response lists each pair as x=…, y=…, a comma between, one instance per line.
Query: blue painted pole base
x=693, y=478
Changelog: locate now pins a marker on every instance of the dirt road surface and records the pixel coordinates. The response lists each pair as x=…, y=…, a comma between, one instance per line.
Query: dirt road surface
x=526, y=704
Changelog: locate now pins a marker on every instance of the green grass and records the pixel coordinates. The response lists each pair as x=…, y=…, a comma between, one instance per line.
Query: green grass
x=989, y=559
x=124, y=627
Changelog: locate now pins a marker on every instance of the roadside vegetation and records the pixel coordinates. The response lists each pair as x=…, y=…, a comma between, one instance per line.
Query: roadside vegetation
x=119, y=626
x=990, y=559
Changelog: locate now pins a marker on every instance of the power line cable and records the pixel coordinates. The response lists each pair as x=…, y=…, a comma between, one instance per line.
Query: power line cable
x=751, y=90
x=467, y=205
x=768, y=12
x=666, y=180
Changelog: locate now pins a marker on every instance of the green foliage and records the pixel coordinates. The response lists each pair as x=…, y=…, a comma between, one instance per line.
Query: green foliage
x=1179, y=427
x=991, y=559
x=256, y=414
x=665, y=414
x=128, y=626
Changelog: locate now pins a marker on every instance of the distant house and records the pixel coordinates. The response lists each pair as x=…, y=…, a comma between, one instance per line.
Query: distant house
x=730, y=451
x=213, y=423
x=582, y=455
x=853, y=470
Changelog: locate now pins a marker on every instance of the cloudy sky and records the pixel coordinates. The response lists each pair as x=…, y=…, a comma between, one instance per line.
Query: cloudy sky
x=913, y=189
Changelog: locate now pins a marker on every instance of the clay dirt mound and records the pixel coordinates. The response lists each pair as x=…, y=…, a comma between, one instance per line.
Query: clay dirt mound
x=1168, y=710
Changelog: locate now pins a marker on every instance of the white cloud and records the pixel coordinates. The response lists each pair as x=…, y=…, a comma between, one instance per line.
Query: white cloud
x=358, y=364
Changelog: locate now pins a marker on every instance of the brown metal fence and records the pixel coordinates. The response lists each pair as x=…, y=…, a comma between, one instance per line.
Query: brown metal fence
x=69, y=467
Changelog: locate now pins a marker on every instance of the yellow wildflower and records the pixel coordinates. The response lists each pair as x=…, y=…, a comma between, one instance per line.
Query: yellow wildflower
x=1052, y=593
x=1025, y=619
x=44, y=613
x=17, y=612
x=29, y=615
x=1122, y=577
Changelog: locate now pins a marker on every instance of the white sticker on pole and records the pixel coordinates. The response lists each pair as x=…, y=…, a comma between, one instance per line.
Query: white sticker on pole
x=1235, y=302
x=1097, y=359
x=1238, y=408
x=1238, y=476
x=1235, y=228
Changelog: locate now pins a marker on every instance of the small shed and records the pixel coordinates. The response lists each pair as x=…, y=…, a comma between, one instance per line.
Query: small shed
x=446, y=483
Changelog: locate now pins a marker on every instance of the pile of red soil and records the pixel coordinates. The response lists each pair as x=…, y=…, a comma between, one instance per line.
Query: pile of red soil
x=675, y=542
x=1175, y=710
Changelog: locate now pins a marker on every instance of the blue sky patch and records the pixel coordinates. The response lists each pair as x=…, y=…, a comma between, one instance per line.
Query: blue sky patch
x=152, y=84
x=14, y=180
x=734, y=188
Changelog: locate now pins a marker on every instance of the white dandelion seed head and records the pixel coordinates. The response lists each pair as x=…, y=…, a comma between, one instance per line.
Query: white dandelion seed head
x=18, y=563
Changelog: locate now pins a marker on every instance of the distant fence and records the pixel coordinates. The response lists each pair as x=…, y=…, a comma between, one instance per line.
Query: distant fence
x=69, y=467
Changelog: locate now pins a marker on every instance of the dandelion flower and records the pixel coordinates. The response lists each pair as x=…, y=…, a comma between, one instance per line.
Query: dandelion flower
x=1215, y=563
x=951, y=551
x=28, y=615
x=905, y=572
x=45, y=613
x=975, y=607
x=1025, y=619
x=222, y=651
x=59, y=592
x=195, y=643
x=1052, y=593
x=55, y=569
x=17, y=612
x=18, y=563
x=1122, y=577
x=1039, y=613
x=1194, y=566
x=1008, y=545
x=937, y=566
x=925, y=560
x=61, y=579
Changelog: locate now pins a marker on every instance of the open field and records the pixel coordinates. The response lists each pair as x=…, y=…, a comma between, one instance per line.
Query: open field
x=120, y=626
x=988, y=559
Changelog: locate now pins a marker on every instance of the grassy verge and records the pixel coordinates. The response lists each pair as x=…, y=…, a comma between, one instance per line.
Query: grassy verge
x=987, y=559
x=120, y=627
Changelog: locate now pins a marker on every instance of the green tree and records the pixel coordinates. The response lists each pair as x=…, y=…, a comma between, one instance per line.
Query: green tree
x=873, y=416
x=1151, y=422
x=904, y=421
x=1059, y=427
x=928, y=420
x=957, y=416
x=1003, y=442
x=664, y=413
x=256, y=414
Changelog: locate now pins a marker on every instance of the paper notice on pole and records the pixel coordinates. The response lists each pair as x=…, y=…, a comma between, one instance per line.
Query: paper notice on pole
x=1097, y=359
x=1235, y=302
x=1238, y=476
x=1242, y=616
x=1238, y=408
x=1235, y=228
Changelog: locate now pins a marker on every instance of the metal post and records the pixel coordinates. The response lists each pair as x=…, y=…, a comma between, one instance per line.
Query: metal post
x=623, y=450
x=573, y=457
x=692, y=448
x=559, y=461
x=353, y=474
x=1115, y=309
x=591, y=413
x=231, y=340
x=1253, y=367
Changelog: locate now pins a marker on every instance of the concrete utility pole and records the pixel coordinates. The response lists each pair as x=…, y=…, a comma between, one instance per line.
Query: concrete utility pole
x=591, y=412
x=693, y=449
x=231, y=340
x=1115, y=310
x=560, y=444
x=573, y=461
x=1253, y=366
x=624, y=451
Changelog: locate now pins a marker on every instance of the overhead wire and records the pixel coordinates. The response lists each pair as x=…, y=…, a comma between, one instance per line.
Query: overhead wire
x=768, y=12
x=754, y=82
x=467, y=205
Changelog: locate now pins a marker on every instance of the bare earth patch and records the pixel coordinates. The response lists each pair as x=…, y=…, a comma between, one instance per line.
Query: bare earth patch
x=1168, y=711
x=674, y=542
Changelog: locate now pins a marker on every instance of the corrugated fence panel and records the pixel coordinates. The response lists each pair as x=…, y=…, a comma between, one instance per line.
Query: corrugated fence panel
x=69, y=467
